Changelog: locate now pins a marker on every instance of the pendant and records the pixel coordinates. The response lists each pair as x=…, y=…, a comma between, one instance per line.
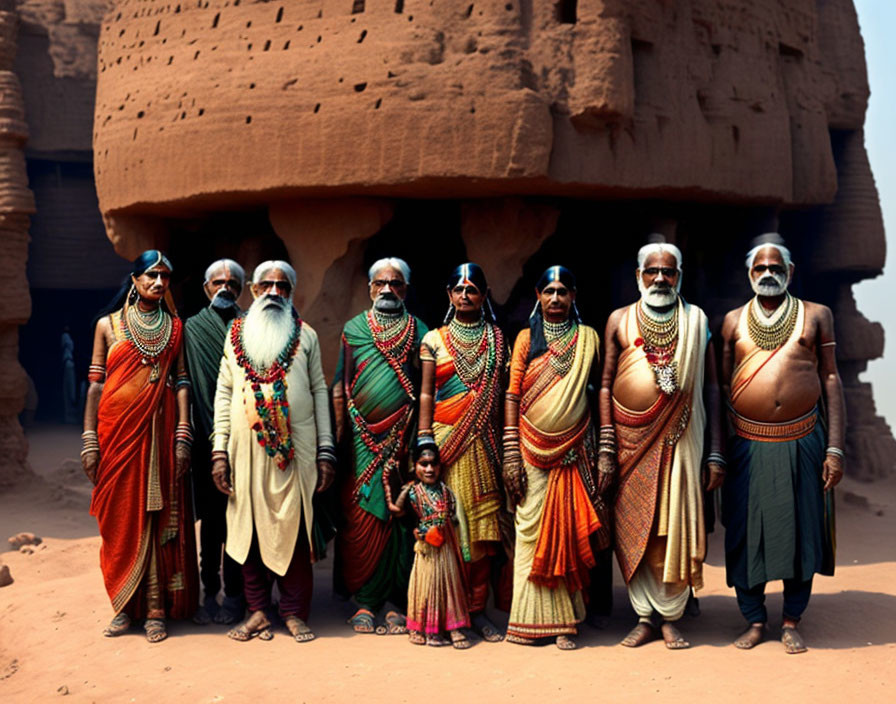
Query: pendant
x=666, y=377
x=154, y=373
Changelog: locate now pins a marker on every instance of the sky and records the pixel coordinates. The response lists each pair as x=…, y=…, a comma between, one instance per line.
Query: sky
x=877, y=19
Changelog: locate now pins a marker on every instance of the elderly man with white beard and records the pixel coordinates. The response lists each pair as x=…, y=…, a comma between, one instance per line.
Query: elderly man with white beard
x=658, y=392
x=272, y=450
x=778, y=362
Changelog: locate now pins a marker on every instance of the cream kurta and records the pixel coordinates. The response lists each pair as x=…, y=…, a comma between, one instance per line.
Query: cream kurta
x=271, y=500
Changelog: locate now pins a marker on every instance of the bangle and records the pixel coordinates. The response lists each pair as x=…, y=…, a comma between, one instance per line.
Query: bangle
x=88, y=450
x=427, y=432
x=717, y=458
x=326, y=454
x=836, y=451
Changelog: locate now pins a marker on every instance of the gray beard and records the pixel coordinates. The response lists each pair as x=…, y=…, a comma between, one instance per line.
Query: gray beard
x=658, y=298
x=388, y=305
x=267, y=330
x=765, y=287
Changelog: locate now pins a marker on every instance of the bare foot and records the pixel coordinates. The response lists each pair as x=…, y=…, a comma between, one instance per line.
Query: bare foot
x=673, y=638
x=256, y=625
x=118, y=625
x=639, y=635
x=751, y=637
x=792, y=640
x=565, y=643
x=298, y=628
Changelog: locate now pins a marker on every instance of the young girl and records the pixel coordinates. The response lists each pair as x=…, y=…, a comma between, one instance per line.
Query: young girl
x=437, y=598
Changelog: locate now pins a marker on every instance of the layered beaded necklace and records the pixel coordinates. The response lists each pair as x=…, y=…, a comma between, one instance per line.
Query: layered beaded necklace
x=272, y=429
x=769, y=332
x=478, y=352
x=150, y=332
x=394, y=337
x=471, y=345
x=660, y=338
x=561, y=339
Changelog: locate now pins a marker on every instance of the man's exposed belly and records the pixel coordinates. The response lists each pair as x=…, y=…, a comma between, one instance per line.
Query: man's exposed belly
x=635, y=388
x=783, y=389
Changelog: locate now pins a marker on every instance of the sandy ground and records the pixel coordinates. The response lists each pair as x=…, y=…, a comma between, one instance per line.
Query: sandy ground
x=51, y=620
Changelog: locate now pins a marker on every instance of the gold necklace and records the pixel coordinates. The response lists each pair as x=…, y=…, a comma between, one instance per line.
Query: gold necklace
x=771, y=336
x=657, y=333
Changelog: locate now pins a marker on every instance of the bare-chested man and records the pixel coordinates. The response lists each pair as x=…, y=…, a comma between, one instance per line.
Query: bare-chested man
x=778, y=361
x=659, y=392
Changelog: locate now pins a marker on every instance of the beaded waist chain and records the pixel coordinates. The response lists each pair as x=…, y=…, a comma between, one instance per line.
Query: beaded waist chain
x=773, y=432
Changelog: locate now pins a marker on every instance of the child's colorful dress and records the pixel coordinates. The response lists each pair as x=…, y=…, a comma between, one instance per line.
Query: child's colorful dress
x=437, y=594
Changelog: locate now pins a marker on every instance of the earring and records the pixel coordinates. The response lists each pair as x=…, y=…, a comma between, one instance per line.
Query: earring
x=534, y=310
x=132, y=295
x=449, y=315
x=491, y=311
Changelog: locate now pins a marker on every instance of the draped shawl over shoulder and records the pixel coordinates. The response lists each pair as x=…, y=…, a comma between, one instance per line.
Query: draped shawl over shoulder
x=660, y=451
x=204, y=345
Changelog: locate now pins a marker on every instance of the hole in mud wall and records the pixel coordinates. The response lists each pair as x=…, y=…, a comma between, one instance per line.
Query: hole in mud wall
x=399, y=6
x=566, y=11
x=643, y=70
x=357, y=7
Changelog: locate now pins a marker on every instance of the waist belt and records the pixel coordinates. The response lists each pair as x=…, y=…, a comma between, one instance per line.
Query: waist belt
x=773, y=432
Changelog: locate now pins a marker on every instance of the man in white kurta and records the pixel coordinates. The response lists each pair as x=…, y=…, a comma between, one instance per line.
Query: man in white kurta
x=272, y=449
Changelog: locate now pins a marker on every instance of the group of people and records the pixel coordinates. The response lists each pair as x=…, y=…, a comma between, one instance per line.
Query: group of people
x=461, y=468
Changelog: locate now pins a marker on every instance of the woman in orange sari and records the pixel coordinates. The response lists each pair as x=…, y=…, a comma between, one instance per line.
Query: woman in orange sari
x=550, y=451
x=136, y=452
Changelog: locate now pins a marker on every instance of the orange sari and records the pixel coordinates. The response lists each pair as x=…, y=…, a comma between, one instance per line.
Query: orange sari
x=144, y=512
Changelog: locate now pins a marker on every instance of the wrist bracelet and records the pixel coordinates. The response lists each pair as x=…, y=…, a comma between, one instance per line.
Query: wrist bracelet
x=717, y=458
x=836, y=451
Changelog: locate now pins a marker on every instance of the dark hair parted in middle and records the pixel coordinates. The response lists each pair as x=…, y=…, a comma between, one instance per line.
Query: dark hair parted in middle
x=537, y=344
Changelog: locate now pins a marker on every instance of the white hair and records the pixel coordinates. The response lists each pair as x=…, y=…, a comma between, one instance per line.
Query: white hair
x=392, y=262
x=785, y=254
x=235, y=269
x=271, y=265
x=659, y=248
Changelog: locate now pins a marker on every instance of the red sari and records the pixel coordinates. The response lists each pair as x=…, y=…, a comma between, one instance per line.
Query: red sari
x=148, y=554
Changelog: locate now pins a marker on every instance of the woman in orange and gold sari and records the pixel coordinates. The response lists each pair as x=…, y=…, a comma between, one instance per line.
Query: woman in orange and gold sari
x=464, y=371
x=136, y=452
x=549, y=457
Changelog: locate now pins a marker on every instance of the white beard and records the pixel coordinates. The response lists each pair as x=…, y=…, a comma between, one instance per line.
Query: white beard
x=657, y=298
x=266, y=330
x=767, y=288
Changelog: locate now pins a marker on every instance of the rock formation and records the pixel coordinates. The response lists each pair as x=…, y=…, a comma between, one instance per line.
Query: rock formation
x=517, y=133
x=16, y=204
